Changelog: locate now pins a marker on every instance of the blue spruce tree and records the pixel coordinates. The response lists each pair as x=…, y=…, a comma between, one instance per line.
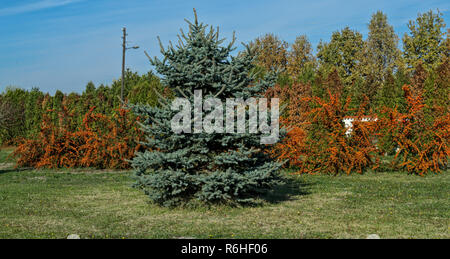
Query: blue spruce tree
x=217, y=167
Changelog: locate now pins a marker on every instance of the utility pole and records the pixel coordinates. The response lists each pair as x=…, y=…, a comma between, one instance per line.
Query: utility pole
x=124, y=50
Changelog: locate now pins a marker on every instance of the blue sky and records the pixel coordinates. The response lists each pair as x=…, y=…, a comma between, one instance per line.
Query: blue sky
x=63, y=44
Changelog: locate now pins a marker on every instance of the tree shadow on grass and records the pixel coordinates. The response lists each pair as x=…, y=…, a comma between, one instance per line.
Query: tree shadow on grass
x=290, y=189
x=14, y=170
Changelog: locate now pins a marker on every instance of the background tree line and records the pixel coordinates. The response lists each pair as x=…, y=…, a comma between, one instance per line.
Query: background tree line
x=404, y=95
x=376, y=67
x=347, y=76
x=22, y=111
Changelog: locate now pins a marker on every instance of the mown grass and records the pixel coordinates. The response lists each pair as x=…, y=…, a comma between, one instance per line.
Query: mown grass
x=101, y=204
x=5, y=155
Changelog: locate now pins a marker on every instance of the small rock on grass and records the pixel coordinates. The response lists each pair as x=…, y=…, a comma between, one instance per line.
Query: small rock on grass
x=73, y=236
x=373, y=236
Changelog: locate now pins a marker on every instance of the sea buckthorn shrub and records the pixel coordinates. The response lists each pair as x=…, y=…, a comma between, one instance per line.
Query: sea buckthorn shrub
x=421, y=145
x=101, y=142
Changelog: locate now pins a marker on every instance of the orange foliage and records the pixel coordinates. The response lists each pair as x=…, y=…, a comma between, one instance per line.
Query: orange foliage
x=332, y=149
x=292, y=148
x=319, y=142
x=421, y=146
x=293, y=98
x=101, y=142
x=318, y=139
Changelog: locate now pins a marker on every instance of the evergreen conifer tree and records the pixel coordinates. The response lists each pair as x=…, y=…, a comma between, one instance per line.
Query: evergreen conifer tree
x=217, y=167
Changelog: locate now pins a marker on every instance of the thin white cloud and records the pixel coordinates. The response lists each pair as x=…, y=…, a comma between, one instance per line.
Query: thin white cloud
x=36, y=6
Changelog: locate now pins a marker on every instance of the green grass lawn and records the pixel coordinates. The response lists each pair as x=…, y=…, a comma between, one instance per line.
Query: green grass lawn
x=5, y=155
x=101, y=204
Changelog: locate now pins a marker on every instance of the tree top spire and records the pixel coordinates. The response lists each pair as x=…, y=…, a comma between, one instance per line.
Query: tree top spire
x=196, y=19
